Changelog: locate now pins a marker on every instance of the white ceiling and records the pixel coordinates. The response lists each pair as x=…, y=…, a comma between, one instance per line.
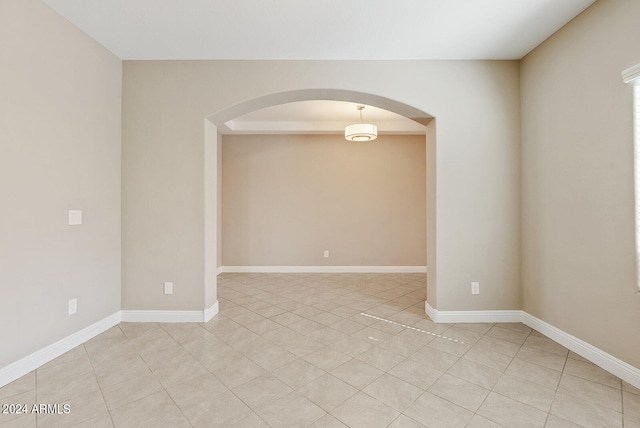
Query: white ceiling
x=319, y=30
x=312, y=29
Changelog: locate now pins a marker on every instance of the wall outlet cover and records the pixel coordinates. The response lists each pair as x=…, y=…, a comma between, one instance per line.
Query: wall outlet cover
x=475, y=288
x=73, y=306
x=75, y=217
x=168, y=288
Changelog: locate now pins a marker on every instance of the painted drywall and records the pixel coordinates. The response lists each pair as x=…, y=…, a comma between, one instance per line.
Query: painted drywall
x=476, y=105
x=430, y=166
x=577, y=154
x=60, y=116
x=287, y=198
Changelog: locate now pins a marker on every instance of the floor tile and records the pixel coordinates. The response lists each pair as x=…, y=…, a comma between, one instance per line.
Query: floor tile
x=631, y=421
x=292, y=410
x=261, y=391
x=407, y=342
x=131, y=390
x=631, y=404
x=475, y=373
x=327, y=391
x=593, y=392
x=238, y=371
x=157, y=410
x=263, y=326
x=478, y=421
x=21, y=385
x=416, y=373
x=327, y=358
x=363, y=411
x=584, y=413
x=327, y=421
x=508, y=334
x=347, y=326
x=251, y=421
x=305, y=326
x=221, y=411
x=488, y=358
x=20, y=413
x=286, y=318
x=443, y=343
x=556, y=422
x=403, y=421
x=327, y=336
x=393, y=392
x=434, y=411
x=195, y=389
x=591, y=372
x=326, y=318
x=500, y=346
x=351, y=346
x=101, y=421
x=545, y=344
x=460, y=392
x=274, y=356
x=630, y=388
x=534, y=373
x=525, y=392
x=381, y=358
x=511, y=413
x=434, y=358
x=357, y=373
x=542, y=358
x=298, y=373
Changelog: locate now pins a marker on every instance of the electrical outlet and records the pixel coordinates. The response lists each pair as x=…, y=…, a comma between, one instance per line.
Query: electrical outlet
x=475, y=288
x=73, y=306
x=75, y=217
x=168, y=288
x=326, y=254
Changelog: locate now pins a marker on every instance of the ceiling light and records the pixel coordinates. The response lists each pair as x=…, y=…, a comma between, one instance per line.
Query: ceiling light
x=361, y=131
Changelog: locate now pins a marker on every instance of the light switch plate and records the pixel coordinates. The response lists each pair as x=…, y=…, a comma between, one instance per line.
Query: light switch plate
x=75, y=217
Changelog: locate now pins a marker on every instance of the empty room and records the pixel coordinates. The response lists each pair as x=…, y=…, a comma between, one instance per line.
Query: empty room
x=319, y=214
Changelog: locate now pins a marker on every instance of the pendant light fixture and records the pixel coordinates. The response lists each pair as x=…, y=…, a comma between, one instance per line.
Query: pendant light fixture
x=361, y=131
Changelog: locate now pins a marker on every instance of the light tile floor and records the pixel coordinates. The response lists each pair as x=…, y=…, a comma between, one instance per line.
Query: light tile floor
x=323, y=350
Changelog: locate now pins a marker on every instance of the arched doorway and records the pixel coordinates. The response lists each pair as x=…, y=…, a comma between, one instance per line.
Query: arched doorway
x=214, y=123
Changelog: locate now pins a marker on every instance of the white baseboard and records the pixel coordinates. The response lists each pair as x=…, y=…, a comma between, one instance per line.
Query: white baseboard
x=613, y=365
x=219, y=270
x=323, y=269
x=453, y=317
x=211, y=312
x=162, y=316
x=42, y=356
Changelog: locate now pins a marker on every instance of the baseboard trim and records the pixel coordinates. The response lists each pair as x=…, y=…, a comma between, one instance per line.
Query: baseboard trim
x=608, y=362
x=453, y=317
x=42, y=356
x=219, y=270
x=211, y=312
x=162, y=316
x=323, y=269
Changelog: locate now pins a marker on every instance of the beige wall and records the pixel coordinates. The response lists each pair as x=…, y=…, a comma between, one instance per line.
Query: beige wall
x=287, y=198
x=60, y=110
x=476, y=105
x=577, y=150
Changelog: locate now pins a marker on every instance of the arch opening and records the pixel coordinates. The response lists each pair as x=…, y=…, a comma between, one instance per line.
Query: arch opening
x=215, y=125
